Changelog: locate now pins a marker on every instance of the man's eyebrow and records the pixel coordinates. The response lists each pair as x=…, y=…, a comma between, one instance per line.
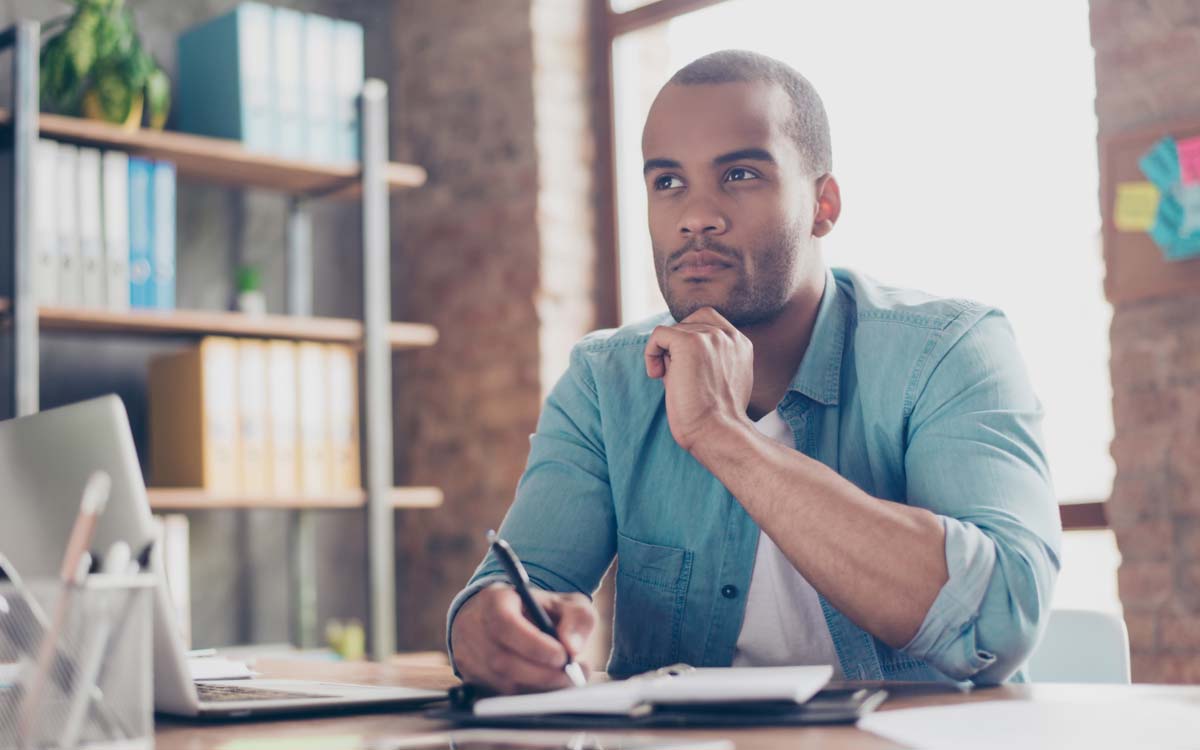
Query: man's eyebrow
x=745, y=154
x=652, y=164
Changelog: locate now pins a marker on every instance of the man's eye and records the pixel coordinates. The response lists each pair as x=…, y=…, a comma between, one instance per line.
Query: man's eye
x=667, y=182
x=738, y=174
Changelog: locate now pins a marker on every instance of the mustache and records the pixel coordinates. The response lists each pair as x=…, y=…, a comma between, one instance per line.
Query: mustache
x=732, y=254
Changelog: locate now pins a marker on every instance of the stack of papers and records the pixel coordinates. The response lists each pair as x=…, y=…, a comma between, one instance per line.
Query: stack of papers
x=1161, y=724
x=217, y=668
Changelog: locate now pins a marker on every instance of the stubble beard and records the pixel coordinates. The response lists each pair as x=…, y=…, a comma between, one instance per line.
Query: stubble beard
x=750, y=301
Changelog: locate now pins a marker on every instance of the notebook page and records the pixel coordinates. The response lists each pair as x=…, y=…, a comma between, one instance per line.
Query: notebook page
x=707, y=685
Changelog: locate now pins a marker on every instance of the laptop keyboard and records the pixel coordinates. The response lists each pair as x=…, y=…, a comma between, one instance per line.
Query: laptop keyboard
x=210, y=693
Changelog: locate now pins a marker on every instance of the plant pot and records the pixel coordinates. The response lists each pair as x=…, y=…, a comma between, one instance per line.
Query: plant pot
x=93, y=110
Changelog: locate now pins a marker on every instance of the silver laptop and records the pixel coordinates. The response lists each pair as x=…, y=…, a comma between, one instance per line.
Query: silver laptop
x=45, y=459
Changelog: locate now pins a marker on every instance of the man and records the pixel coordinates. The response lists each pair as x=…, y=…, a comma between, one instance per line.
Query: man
x=799, y=466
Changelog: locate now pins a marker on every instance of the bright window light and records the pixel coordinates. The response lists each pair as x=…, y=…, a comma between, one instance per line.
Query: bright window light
x=964, y=141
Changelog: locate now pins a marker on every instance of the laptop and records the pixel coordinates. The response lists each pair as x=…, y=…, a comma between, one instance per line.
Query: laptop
x=45, y=459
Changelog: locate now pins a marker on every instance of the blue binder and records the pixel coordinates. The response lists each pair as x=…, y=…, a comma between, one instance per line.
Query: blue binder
x=141, y=233
x=227, y=79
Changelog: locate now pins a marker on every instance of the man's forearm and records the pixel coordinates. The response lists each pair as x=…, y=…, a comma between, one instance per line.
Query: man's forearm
x=880, y=563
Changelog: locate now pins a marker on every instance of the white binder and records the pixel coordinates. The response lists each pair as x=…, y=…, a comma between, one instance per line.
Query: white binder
x=70, y=275
x=45, y=224
x=91, y=238
x=115, y=201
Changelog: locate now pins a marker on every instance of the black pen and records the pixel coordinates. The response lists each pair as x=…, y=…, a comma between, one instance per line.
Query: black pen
x=520, y=581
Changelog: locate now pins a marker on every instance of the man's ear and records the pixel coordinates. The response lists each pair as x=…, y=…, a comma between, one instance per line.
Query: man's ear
x=828, y=205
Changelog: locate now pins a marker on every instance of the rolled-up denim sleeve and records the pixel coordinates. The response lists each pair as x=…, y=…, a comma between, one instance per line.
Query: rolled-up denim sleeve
x=561, y=523
x=975, y=458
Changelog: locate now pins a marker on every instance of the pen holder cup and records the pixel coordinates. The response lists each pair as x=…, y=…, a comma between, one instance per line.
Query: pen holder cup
x=76, y=664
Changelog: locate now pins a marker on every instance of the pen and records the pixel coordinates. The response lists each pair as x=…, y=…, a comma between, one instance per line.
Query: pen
x=95, y=497
x=520, y=581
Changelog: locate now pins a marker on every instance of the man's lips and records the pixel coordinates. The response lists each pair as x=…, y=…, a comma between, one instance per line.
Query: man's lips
x=701, y=262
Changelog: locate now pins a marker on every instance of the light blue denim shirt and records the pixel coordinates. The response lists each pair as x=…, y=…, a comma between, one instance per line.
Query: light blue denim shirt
x=914, y=399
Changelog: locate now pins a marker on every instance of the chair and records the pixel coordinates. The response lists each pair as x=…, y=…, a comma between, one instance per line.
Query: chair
x=1082, y=645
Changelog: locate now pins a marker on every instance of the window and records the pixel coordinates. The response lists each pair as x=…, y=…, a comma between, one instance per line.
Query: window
x=964, y=143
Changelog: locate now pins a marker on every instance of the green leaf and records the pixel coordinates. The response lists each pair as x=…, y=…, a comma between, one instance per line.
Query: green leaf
x=81, y=41
x=113, y=36
x=158, y=98
x=59, y=85
x=115, y=94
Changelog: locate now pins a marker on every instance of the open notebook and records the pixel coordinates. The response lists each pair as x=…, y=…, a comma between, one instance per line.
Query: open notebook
x=669, y=687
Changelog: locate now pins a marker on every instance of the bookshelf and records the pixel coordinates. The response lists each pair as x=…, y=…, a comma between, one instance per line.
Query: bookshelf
x=223, y=162
x=400, y=336
x=227, y=163
x=191, y=498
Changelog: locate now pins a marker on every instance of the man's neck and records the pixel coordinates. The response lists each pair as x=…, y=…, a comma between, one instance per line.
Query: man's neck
x=780, y=346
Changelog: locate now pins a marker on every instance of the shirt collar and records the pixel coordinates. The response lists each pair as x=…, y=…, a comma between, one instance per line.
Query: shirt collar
x=819, y=374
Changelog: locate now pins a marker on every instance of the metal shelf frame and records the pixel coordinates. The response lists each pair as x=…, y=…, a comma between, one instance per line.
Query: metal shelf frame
x=20, y=348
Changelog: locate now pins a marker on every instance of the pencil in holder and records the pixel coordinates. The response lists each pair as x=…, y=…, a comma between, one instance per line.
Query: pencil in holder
x=81, y=678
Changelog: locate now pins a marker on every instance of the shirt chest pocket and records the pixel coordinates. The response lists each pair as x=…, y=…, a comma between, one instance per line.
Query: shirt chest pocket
x=652, y=582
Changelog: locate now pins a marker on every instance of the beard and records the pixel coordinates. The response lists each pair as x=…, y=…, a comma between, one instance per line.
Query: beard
x=752, y=299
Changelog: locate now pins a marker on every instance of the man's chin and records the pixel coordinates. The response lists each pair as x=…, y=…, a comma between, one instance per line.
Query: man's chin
x=685, y=310
x=686, y=302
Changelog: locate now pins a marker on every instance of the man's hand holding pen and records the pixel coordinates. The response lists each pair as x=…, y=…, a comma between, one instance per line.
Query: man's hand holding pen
x=496, y=645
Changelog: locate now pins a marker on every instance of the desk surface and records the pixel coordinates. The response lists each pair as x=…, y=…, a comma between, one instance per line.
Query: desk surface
x=350, y=731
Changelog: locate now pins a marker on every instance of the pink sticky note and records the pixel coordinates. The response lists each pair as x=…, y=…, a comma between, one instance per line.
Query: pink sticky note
x=1189, y=160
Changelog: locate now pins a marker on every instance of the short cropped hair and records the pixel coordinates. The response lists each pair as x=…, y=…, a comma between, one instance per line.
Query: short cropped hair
x=808, y=127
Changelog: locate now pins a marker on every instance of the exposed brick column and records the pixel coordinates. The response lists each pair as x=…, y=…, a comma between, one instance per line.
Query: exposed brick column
x=497, y=251
x=1146, y=56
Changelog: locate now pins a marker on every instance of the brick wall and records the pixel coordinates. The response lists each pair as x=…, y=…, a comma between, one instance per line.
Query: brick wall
x=497, y=251
x=1147, y=53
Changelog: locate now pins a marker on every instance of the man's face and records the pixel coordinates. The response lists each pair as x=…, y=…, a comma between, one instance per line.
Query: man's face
x=731, y=209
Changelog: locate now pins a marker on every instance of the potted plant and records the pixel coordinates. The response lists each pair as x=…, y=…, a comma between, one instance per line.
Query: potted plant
x=94, y=65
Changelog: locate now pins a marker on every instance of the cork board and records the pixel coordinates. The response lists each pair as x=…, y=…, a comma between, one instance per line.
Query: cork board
x=1136, y=268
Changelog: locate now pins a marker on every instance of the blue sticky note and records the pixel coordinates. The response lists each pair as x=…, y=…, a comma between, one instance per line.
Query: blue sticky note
x=1184, y=247
x=1161, y=164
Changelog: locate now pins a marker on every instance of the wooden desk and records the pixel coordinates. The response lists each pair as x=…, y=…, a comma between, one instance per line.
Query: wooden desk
x=344, y=732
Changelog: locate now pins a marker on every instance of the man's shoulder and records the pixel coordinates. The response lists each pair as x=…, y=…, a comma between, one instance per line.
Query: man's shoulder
x=618, y=342
x=877, y=305
x=615, y=354
x=629, y=336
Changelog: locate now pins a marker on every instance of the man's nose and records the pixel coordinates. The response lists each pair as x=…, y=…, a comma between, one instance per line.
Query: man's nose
x=702, y=217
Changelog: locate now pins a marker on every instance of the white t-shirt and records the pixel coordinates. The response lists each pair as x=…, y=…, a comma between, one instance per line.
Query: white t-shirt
x=784, y=624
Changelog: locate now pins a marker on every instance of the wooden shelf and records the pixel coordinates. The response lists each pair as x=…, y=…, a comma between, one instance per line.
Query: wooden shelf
x=211, y=322
x=223, y=161
x=189, y=498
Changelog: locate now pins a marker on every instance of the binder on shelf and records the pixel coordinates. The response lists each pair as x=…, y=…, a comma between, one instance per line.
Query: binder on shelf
x=91, y=239
x=319, y=100
x=194, y=436
x=312, y=409
x=115, y=201
x=162, y=221
x=226, y=78
x=348, y=83
x=282, y=426
x=70, y=277
x=342, y=369
x=141, y=232
x=45, y=223
x=253, y=479
x=288, y=44
x=171, y=536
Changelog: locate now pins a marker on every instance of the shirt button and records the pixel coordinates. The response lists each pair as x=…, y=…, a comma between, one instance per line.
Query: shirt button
x=729, y=591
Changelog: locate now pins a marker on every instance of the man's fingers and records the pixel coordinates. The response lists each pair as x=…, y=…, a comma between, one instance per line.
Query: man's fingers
x=516, y=673
x=508, y=625
x=658, y=350
x=575, y=618
x=709, y=316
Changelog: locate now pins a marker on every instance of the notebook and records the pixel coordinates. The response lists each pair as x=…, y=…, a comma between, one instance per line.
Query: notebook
x=677, y=697
x=670, y=687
